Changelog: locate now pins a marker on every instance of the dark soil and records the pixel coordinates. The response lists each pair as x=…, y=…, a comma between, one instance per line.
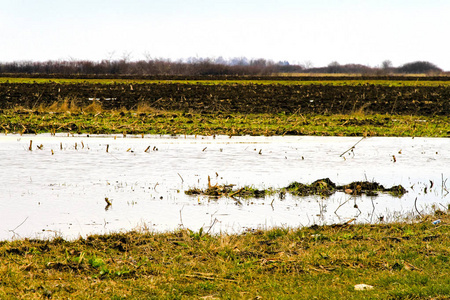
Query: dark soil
x=241, y=98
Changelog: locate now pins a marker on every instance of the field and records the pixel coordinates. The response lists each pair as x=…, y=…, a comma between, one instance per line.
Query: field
x=270, y=106
x=288, y=97
x=400, y=260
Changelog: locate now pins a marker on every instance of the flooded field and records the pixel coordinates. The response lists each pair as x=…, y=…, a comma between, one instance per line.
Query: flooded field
x=57, y=185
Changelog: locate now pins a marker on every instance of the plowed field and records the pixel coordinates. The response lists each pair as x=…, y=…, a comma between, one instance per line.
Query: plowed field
x=236, y=97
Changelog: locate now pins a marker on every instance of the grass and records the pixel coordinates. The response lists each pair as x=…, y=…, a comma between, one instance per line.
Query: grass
x=66, y=117
x=408, y=260
x=243, y=81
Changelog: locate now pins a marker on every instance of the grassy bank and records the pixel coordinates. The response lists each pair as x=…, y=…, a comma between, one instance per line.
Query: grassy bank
x=407, y=260
x=144, y=120
x=205, y=81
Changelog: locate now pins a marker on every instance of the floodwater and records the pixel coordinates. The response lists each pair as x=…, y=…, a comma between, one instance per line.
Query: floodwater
x=59, y=188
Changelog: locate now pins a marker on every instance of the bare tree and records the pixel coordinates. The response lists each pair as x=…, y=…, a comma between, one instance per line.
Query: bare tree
x=334, y=67
x=308, y=64
x=386, y=64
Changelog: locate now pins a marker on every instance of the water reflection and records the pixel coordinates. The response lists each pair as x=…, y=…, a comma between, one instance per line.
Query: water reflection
x=61, y=188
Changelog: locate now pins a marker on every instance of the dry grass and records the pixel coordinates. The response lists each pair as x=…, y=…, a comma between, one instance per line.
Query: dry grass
x=68, y=105
x=405, y=260
x=143, y=107
x=94, y=108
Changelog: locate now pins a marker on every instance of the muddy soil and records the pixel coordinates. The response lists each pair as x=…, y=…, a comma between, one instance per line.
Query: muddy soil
x=242, y=98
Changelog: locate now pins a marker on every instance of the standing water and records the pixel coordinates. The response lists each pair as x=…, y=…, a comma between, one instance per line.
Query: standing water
x=57, y=185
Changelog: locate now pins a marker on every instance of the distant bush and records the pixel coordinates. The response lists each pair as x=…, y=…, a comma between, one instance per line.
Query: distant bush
x=193, y=66
x=418, y=67
x=336, y=68
x=201, y=67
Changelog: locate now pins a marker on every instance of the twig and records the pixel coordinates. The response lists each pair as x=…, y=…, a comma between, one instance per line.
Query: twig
x=393, y=106
x=444, y=184
x=298, y=109
x=20, y=224
x=13, y=230
x=207, y=276
x=236, y=192
x=356, y=206
x=341, y=205
x=415, y=205
x=237, y=200
x=181, y=217
x=373, y=211
x=352, y=147
x=182, y=180
x=108, y=204
x=212, y=225
x=349, y=221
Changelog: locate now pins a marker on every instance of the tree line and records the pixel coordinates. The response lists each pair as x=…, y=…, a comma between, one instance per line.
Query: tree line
x=205, y=66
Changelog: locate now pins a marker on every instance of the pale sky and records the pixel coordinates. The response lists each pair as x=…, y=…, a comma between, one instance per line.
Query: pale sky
x=320, y=31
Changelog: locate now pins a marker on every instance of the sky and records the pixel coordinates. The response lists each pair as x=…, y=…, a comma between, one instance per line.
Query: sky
x=315, y=32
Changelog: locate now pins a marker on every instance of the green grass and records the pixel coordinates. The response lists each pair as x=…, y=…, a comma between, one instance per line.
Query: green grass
x=407, y=260
x=244, y=81
x=158, y=122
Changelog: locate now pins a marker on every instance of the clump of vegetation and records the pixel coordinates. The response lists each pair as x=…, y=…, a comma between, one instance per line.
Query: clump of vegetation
x=371, y=188
x=325, y=187
x=227, y=191
x=322, y=187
